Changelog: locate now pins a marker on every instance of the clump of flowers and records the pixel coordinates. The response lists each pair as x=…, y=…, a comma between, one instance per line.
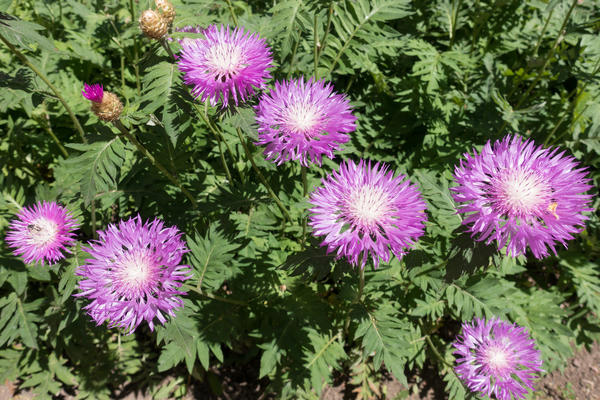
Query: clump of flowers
x=134, y=274
x=105, y=105
x=42, y=232
x=226, y=65
x=364, y=211
x=496, y=357
x=303, y=121
x=520, y=195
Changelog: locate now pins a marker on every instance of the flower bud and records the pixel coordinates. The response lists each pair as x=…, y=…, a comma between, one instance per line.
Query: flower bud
x=153, y=24
x=105, y=105
x=166, y=9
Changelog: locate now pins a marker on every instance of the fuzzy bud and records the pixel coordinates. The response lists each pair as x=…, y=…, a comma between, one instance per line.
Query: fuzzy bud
x=109, y=109
x=166, y=9
x=153, y=24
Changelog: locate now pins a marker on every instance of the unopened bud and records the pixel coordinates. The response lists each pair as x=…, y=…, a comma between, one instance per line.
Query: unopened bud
x=166, y=9
x=105, y=105
x=153, y=24
x=109, y=109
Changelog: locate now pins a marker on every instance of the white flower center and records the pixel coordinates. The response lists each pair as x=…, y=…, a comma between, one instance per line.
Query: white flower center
x=368, y=204
x=497, y=358
x=42, y=231
x=302, y=118
x=225, y=59
x=523, y=192
x=135, y=270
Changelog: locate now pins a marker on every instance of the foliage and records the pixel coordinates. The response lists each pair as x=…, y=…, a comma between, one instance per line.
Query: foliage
x=428, y=81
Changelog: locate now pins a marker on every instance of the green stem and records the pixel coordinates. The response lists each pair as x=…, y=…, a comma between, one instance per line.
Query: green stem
x=48, y=129
x=456, y=7
x=539, y=41
x=262, y=177
x=93, y=212
x=166, y=46
x=136, y=60
x=219, y=137
x=43, y=77
x=361, y=285
x=437, y=353
x=324, y=40
x=316, y=45
x=293, y=59
x=538, y=77
x=215, y=297
x=232, y=11
x=154, y=161
x=305, y=192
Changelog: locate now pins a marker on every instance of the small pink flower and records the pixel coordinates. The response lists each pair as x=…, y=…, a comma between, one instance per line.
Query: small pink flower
x=94, y=92
x=41, y=233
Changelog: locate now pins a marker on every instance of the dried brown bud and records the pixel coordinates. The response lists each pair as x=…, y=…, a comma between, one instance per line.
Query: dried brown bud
x=153, y=24
x=109, y=109
x=166, y=9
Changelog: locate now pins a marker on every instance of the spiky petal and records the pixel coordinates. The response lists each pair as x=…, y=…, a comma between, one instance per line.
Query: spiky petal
x=497, y=358
x=93, y=92
x=521, y=195
x=303, y=121
x=364, y=211
x=226, y=65
x=42, y=233
x=134, y=274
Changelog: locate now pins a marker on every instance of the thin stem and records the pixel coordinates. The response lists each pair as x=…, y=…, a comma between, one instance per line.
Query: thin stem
x=232, y=11
x=136, y=60
x=538, y=77
x=437, y=353
x=46, y=126
x=165, y=44
x=293, y=59
x=456, y=7
x=324, y=40
x=93, y=212
x=219, y=137
x=316, y=45
x=262, y=177
x=539, y=41
x=361, y=285
x=154, y=161
x=50, y=85
x=215, y=297
x=305, y=192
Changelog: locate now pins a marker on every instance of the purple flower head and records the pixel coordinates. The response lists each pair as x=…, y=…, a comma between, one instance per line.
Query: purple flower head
x=227, y=63
x=496, y=357
x=302, y=121
x=364, y=211
x=94, y=92
x=41, y=233
x=520, y=195
x=134, y=274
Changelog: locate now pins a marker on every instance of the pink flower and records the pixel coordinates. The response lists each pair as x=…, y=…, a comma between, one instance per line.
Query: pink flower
x=42, y=232
x=227, y=64
x=303, y=121
x=520, y=195
x=364, y=211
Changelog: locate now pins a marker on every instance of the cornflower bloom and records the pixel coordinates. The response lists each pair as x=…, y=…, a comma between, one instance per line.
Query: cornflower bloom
x=42, y=232
x=496, y=357
x=303, y=121
x=134, y=274
x=520, y=195
x=364, y=211
x=226, y=64
x=105, y=105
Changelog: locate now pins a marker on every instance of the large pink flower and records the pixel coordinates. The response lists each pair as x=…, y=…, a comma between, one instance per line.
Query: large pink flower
x=364, y=211
x=134, y=274
x=303, y=121
x=225, y=65
x=520, y=195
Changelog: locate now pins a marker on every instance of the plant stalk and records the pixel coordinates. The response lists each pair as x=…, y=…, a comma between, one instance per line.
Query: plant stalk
x=262, y=177
x=316, y=46
x=232, y=11
x=154, y=161
x=166, y=46
x=305, y=192
x=43, y=77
